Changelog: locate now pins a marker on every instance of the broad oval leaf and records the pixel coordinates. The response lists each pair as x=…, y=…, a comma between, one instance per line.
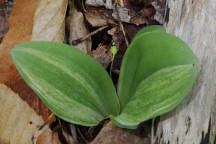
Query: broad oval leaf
x=153, y=28
x=72, y=85
x=157, y=94
x=150, y=53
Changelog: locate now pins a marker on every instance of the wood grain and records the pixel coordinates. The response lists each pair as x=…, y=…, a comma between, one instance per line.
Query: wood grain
x=194, y=121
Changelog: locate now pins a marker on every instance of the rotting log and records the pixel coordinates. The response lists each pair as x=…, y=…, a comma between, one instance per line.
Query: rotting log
x=194, y=120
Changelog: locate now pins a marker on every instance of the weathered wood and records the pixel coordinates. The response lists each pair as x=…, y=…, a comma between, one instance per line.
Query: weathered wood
x=194, y=121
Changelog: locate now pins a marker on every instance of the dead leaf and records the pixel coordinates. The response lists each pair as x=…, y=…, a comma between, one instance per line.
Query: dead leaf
x=160, y=10
x=99, y=17
x=138, y=20
x=27, y=94
x=30, y=19
x=132, y=30
x=20, y=25
x=130, y=11
x=48, y=137
x=111, y=134
x=113, y=31
x=49, y=21
x=77, y=28
x=20, y=29
x=124, y=14
x=108, y=3
x=103, y=55
x=147, y=12
x=18, y=122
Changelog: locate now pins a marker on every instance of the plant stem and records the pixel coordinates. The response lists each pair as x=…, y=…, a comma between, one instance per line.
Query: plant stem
x=111, y=66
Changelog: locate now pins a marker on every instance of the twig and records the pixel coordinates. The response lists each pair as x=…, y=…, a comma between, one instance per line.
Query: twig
x=43, y=127
x=38, y=133
x=116, y=71
x=83, y=6
x=120, y=23
x=49, y=119
x=76, y=42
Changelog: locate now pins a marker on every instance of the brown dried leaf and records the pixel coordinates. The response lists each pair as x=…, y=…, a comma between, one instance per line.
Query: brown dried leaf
x=128, y=10
x=147, y=12
x=48, y=137
x=77, y=28
x=49, y=21
x=99, y=17
x=108, y=3
x=18, y=122
x=124, y=14
x=138, y=20
x=103, y=55
x=123, y=11
x=110, y=134
x=34, y=20
x=27, y=94
x=160, y=10
x=20, y=29
x=113, y=31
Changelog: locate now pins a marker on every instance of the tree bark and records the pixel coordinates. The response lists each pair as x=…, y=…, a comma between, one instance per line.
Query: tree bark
x=194, y=120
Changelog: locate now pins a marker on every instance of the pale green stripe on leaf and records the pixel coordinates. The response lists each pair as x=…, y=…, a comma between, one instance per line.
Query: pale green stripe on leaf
x=147, y=54
x=157, y=94
x=77, y=76
x=61, y=104
x=73, y=85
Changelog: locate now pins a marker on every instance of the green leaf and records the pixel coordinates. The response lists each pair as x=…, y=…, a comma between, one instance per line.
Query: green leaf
x=157, y=72
x=147, y=56
x=72, y=85
x=157, y=94
x=153, y=28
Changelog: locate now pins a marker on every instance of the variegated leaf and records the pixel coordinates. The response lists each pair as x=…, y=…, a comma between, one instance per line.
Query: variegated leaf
x=72, y=85
x=149, y=53
x=157, y=94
